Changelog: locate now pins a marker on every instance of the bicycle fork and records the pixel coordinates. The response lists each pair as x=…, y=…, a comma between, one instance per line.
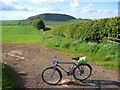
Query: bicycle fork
x=53, y=72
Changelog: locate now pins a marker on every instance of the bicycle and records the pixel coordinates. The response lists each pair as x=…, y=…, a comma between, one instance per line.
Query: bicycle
x=52, y=75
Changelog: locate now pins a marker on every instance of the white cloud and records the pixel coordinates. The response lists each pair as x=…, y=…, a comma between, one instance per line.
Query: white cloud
x=44, y=1
x=74, y=4
x=9, y=1
x=23, y=7
x=87, y=8
x=18, y=15
x=104, y=11
x=107, y=11
x=102, y=17
x=90, y=5
x=8, y=5
x=13, y=5
x=74, y=10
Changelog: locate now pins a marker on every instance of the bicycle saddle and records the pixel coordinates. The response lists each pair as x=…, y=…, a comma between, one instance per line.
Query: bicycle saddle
x=76, y=58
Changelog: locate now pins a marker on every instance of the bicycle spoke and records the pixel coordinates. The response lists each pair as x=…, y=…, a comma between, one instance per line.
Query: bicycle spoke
x=82, y=72
x=51, y=75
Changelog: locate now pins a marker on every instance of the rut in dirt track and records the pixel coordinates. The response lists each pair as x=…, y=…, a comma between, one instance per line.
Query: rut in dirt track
x=30, y=60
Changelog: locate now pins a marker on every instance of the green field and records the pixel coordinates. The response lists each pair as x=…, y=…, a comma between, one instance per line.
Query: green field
x=47, y=23
x=20, y=34
x=15, y=23
x=57, y=23
x=9, y=23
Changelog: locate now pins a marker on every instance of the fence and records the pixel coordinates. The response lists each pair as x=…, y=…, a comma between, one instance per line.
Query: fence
x=112, y=40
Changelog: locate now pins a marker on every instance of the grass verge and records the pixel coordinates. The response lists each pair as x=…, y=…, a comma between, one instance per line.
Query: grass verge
x=97, y=54
x=9, y=79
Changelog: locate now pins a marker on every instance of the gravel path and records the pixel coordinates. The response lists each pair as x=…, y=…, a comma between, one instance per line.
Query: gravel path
x=30, y=60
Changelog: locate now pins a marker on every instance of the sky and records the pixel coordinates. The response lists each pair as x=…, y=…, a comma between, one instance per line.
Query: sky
x=86, y=9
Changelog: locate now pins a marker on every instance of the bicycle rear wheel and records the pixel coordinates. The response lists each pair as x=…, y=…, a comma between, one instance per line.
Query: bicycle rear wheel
x=51, y=76
x=82, y=72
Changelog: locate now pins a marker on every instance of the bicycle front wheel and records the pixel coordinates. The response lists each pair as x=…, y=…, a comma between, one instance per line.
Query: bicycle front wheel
x=82, y=72
x=51, y=76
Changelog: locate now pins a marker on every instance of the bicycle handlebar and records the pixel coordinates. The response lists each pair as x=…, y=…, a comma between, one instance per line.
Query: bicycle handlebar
x=54, y=61
x=54, y=57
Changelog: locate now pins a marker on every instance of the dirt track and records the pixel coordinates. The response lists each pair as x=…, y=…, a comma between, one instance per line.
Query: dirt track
x=30, y=60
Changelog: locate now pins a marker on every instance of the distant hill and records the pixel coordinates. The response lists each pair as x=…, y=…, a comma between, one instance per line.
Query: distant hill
x=51, y=17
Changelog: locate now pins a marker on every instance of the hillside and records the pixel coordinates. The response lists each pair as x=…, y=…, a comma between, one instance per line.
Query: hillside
x=52, y=17
x=90, y=31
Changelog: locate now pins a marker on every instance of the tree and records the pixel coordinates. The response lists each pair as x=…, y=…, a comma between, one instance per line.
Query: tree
x=38, y=24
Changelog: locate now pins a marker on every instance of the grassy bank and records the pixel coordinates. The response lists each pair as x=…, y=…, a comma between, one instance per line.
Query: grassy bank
x=97, y=54
x=9, y=79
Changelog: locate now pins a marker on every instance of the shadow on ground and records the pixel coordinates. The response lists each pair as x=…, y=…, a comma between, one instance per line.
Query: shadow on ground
x=95, y=84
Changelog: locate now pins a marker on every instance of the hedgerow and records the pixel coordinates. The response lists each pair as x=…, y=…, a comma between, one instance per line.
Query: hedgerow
x=90, y=31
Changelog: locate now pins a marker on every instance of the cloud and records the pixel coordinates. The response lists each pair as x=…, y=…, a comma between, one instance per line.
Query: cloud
x=74, y=10
x=87, y=8
x=44, y=1
x=104, y=11
x=102, y=17
x=74, y=4
x=18, y=15
x=15, y=15
x=8, y=1
x=13, y=5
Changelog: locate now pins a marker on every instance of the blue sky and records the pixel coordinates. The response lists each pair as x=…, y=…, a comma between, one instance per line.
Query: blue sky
x=91, y=9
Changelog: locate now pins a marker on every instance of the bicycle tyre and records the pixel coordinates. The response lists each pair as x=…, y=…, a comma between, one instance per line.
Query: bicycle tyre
x=77, y=68
x=57, y=71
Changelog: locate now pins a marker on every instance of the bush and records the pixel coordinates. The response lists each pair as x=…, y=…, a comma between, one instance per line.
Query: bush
x=38, y=24
x=89, y=31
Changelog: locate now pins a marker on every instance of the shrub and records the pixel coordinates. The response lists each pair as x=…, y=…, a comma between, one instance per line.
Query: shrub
x=90, y=31
x=38, y=24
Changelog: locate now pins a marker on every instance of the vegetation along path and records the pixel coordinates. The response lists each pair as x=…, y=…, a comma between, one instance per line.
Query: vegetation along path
x=30, y=60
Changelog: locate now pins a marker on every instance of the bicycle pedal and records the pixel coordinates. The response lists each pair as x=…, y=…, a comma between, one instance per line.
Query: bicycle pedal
x=68, y=73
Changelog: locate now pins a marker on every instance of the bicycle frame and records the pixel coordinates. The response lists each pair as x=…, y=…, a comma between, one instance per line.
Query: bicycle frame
x=71, y=69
